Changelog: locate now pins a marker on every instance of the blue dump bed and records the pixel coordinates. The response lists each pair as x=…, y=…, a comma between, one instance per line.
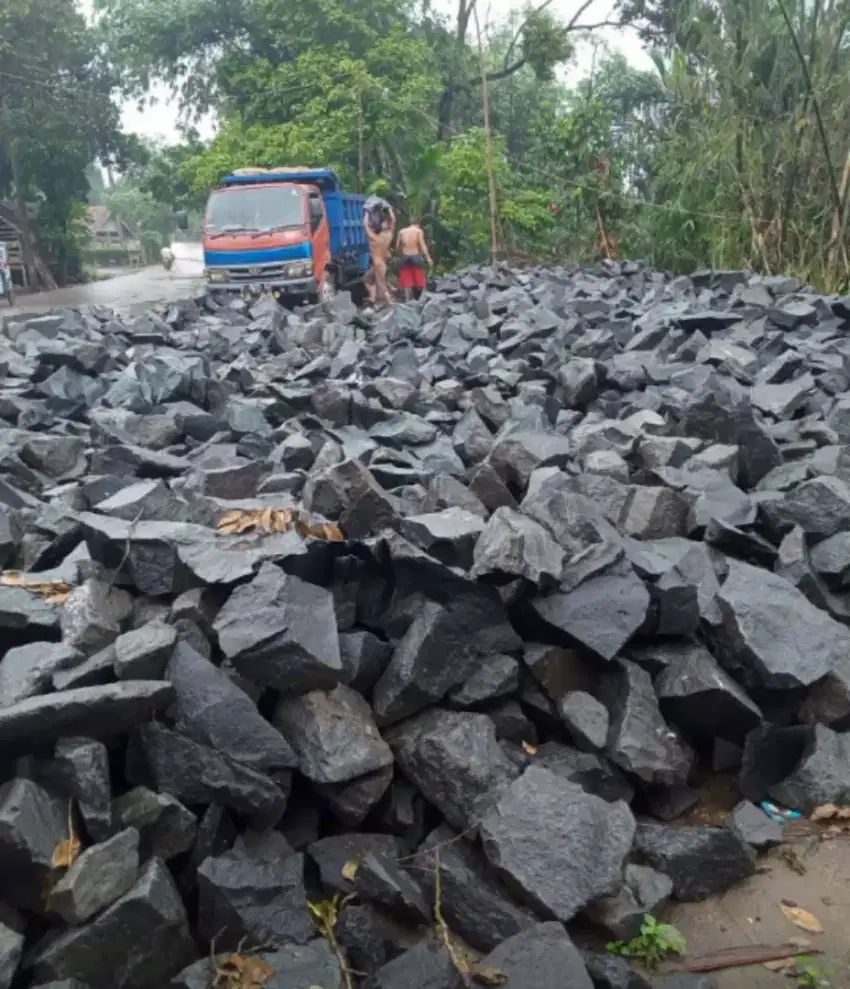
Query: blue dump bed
x=344, y=209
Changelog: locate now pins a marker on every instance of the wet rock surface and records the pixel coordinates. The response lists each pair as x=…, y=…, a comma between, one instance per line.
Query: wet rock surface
x=449, y=608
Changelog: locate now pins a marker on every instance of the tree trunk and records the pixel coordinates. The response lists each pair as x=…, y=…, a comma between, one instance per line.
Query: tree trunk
x=27, y=250
x=445, y=114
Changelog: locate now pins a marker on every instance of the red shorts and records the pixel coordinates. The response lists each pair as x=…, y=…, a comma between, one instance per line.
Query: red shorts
x=411, y=276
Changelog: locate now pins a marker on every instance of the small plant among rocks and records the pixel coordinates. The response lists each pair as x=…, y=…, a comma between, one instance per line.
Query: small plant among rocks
x=808, y=975
x=655, y=942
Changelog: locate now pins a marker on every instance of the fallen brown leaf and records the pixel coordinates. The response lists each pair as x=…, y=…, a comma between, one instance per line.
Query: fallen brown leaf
x=237, y=522
x=830, y=812
x=487, y=975
x=327, y=531
x=802, y=918
x=349, y=870
x=53, y=591
x=66, y=852
x=529, y=749
x=242, y=972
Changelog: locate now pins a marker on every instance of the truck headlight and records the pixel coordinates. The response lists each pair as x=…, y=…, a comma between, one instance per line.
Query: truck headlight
x=215, y=275
x=299, y=269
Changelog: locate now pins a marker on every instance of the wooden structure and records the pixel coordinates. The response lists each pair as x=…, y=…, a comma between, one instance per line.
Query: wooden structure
x=10, y=235
x=108, y=231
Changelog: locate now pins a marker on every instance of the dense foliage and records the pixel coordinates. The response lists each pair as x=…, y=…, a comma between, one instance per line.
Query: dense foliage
x=734, y=150
x=57, y=113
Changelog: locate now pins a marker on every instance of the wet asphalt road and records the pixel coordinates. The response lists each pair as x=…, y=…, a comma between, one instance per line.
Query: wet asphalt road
x=126, y=292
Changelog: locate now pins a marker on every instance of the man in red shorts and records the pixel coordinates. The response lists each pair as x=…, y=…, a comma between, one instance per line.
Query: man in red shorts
x=415, y=259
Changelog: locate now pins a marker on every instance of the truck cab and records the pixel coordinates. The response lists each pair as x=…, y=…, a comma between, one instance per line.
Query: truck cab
x=292, y=232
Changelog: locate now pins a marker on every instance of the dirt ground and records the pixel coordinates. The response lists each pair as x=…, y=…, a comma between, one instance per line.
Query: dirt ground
x=750, y=914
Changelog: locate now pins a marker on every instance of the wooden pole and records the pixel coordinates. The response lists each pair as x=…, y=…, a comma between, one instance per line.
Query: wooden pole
x=491, y=176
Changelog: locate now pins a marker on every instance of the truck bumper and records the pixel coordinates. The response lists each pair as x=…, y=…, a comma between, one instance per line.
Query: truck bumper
x=282, y=286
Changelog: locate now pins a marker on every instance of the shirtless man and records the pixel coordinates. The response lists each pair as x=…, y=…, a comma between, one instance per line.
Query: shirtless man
x=415, y=256
x=379, y=247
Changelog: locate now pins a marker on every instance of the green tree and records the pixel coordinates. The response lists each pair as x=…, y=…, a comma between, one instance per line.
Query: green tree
x=56, y=116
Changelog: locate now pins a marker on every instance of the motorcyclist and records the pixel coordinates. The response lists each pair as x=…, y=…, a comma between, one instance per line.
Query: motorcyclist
x=167, y=257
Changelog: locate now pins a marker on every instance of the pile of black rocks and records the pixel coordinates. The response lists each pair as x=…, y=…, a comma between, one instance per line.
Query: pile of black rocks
x=596, y=546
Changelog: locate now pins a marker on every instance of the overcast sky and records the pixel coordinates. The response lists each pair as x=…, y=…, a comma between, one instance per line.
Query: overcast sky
x=160, y=120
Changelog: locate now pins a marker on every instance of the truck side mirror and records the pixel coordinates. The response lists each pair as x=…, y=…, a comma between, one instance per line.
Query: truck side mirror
x=181, y=220
x=316, y=213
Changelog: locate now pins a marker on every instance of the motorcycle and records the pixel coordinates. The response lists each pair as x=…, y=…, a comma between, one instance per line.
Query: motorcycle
x=167, y=259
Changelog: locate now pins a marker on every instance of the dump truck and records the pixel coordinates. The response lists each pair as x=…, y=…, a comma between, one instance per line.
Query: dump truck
x=289, y=231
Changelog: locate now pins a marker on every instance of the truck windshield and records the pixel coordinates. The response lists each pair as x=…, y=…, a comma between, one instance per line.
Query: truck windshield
x=247, y=208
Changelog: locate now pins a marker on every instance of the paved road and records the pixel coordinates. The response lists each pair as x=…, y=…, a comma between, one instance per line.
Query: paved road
x=128, y=292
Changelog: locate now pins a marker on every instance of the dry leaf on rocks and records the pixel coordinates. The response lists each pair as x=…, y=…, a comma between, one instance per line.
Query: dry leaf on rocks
x=237, y=522
x=66, y=852
x=327, y=531
x=830, y=812
x=802, y=918
x=349, y=870
x=529, y=749
x=53, y=591
x=243, y=972
x=487, y=975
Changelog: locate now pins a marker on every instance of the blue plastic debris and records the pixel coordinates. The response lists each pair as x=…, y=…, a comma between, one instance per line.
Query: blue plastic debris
x=779, y=814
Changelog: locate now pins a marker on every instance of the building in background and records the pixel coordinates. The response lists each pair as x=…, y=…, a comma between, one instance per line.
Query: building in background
x=112, y=241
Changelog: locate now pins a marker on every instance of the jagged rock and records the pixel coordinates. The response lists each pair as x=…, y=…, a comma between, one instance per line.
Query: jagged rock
x=640, y=741
x=474, y=904
x=93, y=616
x=27, y=671
x=79, y=770
x=32, y=823
x=612, y=972
x=701, y=700
x=450, y=535
x=211, y=709
x=164, y=826
x=559, y=846
x=383, y=882
x=102, y=711
x=417, y=674
x=701, y=861
x=97, y=878
x=143, y=653
x=754, y=826
x=141, y=940
x=197, y=774
x=586, y=719
x=497, y=676
x=364, y=658
x=425, y=966
x=644, y=891
x=542, y=957
x=12, y=931
x=514, y=545
x=370, y=937
x=771, y=636
x=253, y=897
x=332, y=854
x=601, y=614
x=333, y=735
x=454, y=760
x=312, y=964
x=822, y=775
x=281, y=632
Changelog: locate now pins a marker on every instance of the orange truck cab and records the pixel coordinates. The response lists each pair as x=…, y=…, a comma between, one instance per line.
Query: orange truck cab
x=293, y=232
